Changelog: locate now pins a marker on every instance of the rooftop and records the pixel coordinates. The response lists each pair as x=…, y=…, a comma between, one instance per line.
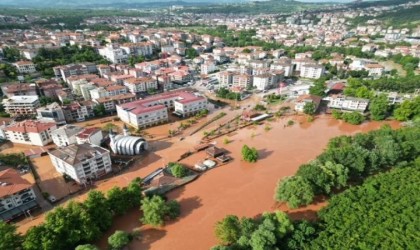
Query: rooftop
x=76, y=153
x=30, y=126
x=11, y=182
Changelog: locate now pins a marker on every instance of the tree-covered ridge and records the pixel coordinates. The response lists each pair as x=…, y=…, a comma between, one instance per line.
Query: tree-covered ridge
x=350, y=159
x=380, y=214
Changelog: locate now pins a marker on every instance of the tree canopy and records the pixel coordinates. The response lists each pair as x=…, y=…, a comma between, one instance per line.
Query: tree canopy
x=249, y=154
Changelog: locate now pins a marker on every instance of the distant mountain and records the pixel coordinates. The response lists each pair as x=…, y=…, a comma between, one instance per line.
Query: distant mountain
x=81, y=3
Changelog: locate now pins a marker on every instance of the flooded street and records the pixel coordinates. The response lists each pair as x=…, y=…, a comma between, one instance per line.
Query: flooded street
x=236, y=188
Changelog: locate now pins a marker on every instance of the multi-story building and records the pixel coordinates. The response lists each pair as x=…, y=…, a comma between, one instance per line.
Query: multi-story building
x=242, y=80
x=25, y=67
x=302, y=100
x=225, y=78
x=154, y=110
x=30, y=132
x=16, y=195
x=285, y=65
x=138, y=85
x=347, y=103
x=312, y=71
x=74, y=70
x=92, y=135
x=19, y=89
x=49, y=88
x=21, y=105
x=77, y=112
x=208, y=67
x=82, y=162
x=110, y=102
x=114, y=54
x=65, y=135
x=138, y=49
x=51, y=113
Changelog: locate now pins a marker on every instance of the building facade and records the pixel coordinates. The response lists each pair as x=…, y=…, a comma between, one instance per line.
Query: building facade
x=30, y=132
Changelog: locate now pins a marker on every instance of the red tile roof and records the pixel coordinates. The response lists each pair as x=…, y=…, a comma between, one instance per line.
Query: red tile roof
x=13, y=182
x=30, y=126
x=87, y=132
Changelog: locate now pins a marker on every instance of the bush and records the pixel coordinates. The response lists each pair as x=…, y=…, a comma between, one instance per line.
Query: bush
x=354, y=118
x=119, y=240
x=294, y=190
x=178, y=170
x=249, y=154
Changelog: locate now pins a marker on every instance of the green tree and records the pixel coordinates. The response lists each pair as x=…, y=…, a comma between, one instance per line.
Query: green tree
x=228, y=230
x=119, y=240
x=408, y=110
x=379, y=107
x=156, y=210
x=99, y=210
x=249, y=154
x=134, y=190
x=309, y=108
x=319, y=88
x=119, y=200
x=9, y=238
x=354, y=118
x=248, y=226
x=264, y=237
x=191, y=53
x=294, y=190
x=99, y=110
x=86, y=247
x=178, y=170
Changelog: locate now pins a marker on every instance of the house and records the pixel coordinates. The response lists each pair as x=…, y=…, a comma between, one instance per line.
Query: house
x=82, y=162
x=74, y=70
x=49, y=88
x=302, y=100
x=208, y=67
x=347, y=103
x=77, y=111
x=92, y=135
x=17, y=196
x=65, y=135
x=21, y=105
x=110, y=102
x=375, y=69
x=138, y=85
x=25, y=67
x=51, y=113
x=30, y=132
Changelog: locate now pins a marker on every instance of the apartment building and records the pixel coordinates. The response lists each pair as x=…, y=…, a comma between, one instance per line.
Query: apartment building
x=225, y=78
x=82, y=162
x=154, y=110
x=110, y=102
x=312, y=71
x=242, y=80
x=78, y=111
x=66, y=71
x=19, y=89
x=138, y=49
x=347, y=103
x=16, y=195
x=21, y=105
x=114, y=53
x=51, y=113
x=65, y=135
x=208, y=67
x=302, y=100
x=138, y=85
x=25, y=67
x=30, y=132
x=375, y=69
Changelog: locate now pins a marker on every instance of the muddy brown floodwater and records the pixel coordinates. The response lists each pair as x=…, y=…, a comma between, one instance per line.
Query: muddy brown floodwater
x=237, y=188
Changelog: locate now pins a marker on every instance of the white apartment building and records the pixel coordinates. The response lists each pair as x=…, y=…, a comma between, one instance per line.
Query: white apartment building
x=287, y=67
x=65, y=135
x=114, y=54
x=51, y=113
x=138, y=85
x=265, y=81
x=347, y=103
x=138, y=49
x=25, y=67
x=21, y=105
x=30, y=132
x=154, y=110
x=312, y=71
x=208, y=67
x=16, y=195
x=82, y=162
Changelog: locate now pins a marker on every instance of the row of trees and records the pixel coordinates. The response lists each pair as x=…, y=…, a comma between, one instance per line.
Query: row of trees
x=349, y=159
x=82, y=222
x=354, y=117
